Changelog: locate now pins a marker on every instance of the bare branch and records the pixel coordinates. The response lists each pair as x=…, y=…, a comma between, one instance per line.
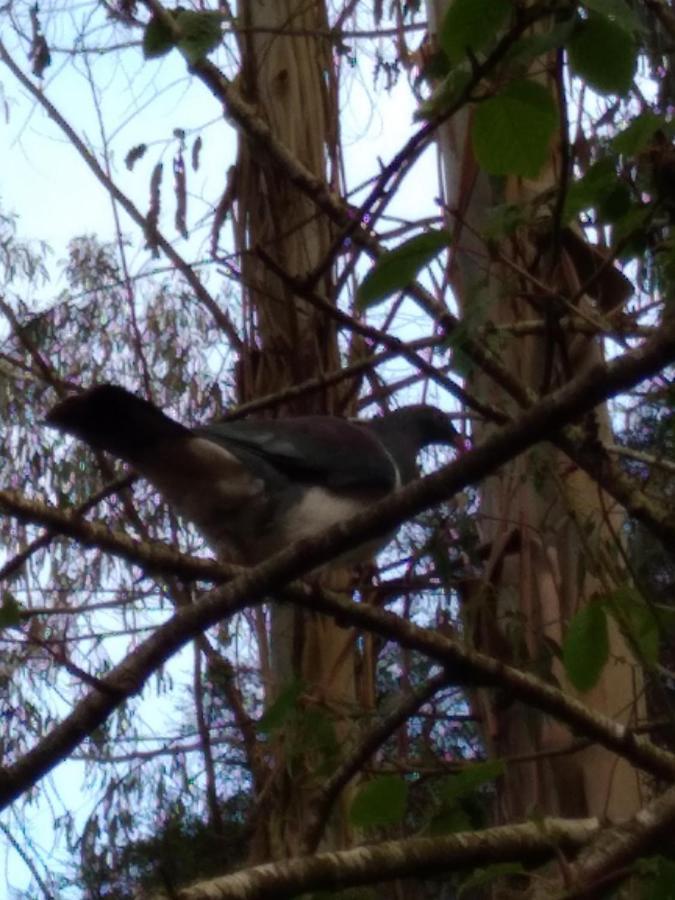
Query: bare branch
x=575, y=398
x=533, y=842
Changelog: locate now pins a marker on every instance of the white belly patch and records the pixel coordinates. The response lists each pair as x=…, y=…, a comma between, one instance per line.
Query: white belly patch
x=318, y=510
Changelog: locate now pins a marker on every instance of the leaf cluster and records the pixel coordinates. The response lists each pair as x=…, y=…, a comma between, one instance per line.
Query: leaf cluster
x=195, y=34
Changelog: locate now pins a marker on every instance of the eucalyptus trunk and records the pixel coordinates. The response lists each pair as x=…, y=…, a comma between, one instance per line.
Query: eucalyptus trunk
x=288, y=75
x=549, y=527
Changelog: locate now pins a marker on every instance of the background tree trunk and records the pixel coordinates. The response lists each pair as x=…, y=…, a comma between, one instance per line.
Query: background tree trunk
x=288, y=74
x=550, y=528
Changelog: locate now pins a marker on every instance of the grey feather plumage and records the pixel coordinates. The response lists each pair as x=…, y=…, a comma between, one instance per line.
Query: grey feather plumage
x=254, y=486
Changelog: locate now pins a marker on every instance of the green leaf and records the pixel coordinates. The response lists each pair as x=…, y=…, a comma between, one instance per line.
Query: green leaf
x=616, y=204
x=457, y=799
x=445, y=94
x=468, y=781
x=512, y=132
x=450, y=820
x=436, y=67
x=533, y=45
x=480, y=877
x=586, y=646
x=597, y=184
x=636, y=137
x=397, y=268
x=644, y=630
x=617, y=10
x=381, y=801
x=199, y=33
x=665, y=616
x=631, y=231
x=658, y=878
x=469, y=25
x=503, y=220
x=316, y=735
x=639, y=621
x=10, y=611
x=278, y=712
x=604, y=54
x=158, y=38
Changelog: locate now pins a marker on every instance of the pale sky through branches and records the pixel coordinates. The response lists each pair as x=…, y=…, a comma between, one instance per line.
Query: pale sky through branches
x=56, y=197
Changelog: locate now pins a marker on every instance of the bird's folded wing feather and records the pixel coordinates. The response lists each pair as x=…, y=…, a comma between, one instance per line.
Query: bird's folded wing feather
x=333, y=453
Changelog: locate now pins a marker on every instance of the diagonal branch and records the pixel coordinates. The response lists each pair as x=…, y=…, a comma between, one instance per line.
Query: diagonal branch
x=391, y=342
x=153, y=557
x=609, y=858
x=369, y=744
x=539, y=423
x=532, y=842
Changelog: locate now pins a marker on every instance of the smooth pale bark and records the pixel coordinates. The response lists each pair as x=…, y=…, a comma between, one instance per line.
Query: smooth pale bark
x=549, y=526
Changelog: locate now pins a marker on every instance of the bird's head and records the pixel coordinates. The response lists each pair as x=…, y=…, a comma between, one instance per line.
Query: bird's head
x=406, y=431
x=429, y=425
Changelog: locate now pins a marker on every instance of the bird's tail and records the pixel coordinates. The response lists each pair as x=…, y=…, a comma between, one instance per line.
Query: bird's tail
x=108, y=417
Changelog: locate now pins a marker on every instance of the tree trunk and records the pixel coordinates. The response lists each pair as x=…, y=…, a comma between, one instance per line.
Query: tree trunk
x=288, y=74
x=549, y=527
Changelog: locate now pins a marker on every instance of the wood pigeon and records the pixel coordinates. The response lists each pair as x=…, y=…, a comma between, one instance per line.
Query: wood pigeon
x=254, y=486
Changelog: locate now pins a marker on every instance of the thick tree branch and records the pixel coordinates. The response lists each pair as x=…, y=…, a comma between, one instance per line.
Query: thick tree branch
x=12, y=566
x=609, y=857
x=466, y=666
x=157, y=558
x=531, y=842
x=596, y=461
x=539, y=423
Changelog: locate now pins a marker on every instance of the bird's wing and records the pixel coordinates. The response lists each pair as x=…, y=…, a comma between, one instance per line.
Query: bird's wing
x=321, y=450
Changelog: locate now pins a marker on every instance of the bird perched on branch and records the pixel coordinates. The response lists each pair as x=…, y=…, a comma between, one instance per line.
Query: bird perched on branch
x=253, y=487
